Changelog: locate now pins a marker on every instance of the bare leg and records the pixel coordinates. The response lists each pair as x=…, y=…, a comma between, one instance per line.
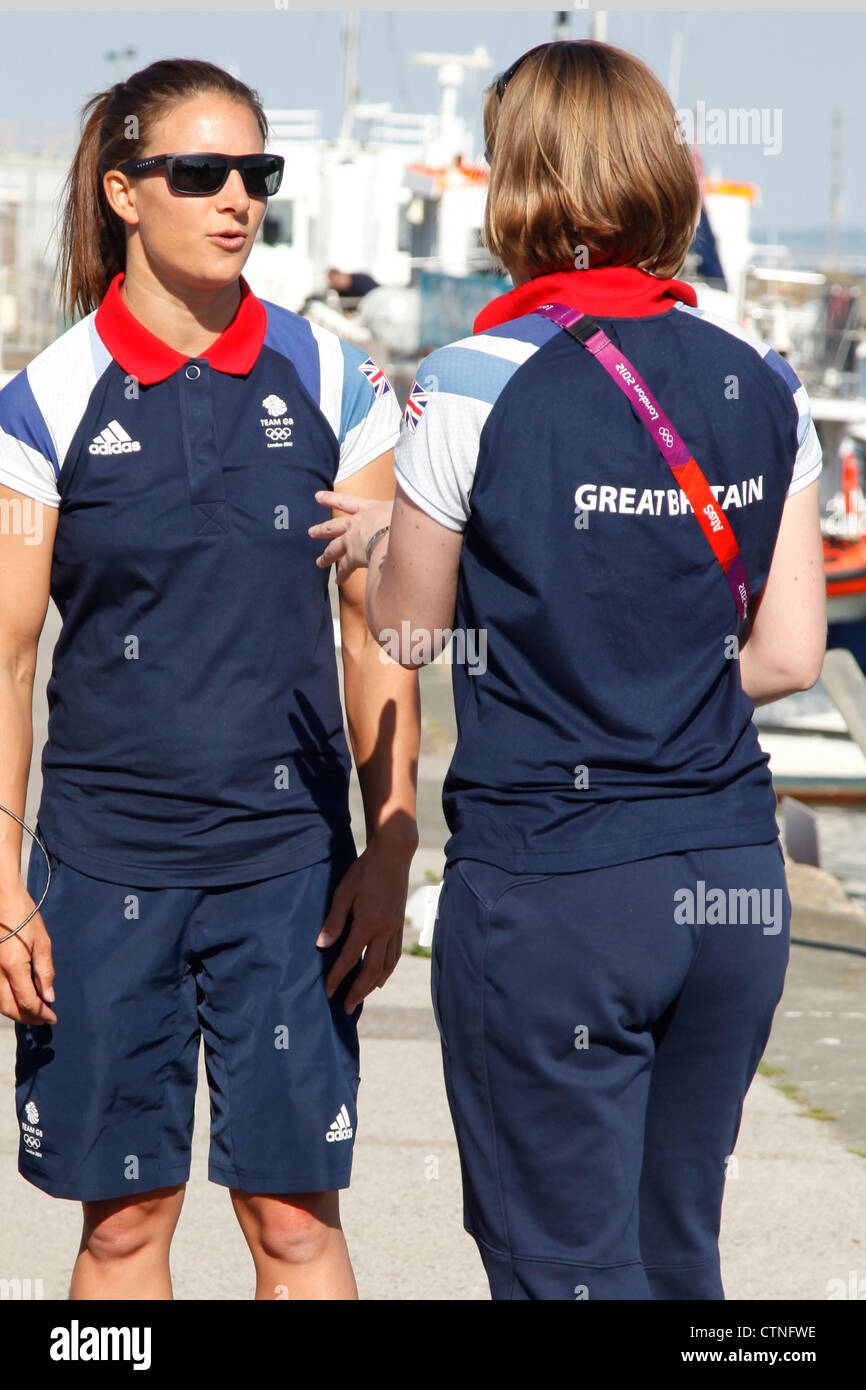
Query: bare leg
x=297, y=1245
x=125, y=1244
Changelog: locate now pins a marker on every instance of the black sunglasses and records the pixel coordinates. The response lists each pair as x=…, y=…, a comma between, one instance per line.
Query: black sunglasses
x=201, y=174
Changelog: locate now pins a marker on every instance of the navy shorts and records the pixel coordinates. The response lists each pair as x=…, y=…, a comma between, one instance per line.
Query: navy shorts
x=598, y=1046
x=105, y=1096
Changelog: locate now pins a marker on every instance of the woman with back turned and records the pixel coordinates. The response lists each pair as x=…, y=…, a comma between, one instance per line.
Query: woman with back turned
x=621, y=493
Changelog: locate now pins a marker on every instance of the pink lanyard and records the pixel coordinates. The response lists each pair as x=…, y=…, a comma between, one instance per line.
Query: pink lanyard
x=710, y=516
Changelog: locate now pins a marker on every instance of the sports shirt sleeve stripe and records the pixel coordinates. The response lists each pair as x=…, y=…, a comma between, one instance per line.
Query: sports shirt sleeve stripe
x=369, y=411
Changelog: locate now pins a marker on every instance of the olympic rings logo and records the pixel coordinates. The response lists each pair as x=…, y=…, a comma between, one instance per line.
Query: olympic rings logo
x=31, y=1141
x=278, y=432
x=666, y=436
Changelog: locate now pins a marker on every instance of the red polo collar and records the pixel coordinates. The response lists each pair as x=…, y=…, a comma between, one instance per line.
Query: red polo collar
x=618, y=291
x=143, y=355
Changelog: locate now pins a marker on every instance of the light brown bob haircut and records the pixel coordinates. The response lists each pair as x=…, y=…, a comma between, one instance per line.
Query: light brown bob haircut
x=585, y=150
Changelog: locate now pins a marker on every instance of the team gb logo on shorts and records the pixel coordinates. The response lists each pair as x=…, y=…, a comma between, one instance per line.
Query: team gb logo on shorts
x=277, y=425
x=31, y=1134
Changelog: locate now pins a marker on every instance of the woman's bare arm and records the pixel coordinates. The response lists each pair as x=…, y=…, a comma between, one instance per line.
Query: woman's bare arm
x=384, y=718
x=414, y=570
x=25, y=576
x=784, y=649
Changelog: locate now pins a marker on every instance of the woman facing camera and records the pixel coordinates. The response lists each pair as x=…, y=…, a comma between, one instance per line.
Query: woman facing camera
x=621, y=493
x=194, y=808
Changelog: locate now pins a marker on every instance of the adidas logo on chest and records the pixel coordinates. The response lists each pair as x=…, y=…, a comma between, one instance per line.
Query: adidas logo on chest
x=113, y=439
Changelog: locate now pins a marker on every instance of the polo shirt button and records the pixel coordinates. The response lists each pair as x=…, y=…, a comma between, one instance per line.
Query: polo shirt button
x=192, y=373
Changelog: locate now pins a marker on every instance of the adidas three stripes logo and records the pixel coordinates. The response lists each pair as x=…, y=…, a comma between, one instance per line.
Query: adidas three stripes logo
x=341, y=1128
x=113, y=439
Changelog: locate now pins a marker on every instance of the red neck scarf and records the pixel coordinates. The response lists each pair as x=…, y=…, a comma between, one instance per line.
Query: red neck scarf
x=618, y=291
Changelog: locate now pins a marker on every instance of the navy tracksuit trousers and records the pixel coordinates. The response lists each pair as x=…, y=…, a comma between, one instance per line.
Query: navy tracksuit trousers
x=598, y=1046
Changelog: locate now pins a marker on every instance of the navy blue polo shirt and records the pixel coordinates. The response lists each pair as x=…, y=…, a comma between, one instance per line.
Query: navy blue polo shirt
x=195, y=729
x=600, y=712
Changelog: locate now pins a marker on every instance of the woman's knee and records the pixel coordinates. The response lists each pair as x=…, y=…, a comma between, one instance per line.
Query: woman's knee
x=294, y=1229
x=119, y=1228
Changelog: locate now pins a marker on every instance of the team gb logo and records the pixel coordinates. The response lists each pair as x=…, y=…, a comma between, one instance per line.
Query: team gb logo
x=277, y=425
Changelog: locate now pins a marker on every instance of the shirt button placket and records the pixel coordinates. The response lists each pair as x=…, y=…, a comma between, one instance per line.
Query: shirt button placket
x=203, y=463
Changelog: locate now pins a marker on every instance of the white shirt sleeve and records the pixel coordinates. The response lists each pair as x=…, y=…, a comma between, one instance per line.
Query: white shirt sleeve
x=369, y=415
x=26, y=448
x=437, y=452
x=809, y=460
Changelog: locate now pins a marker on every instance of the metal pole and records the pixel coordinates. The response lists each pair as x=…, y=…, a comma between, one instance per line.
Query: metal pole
x=350, y=73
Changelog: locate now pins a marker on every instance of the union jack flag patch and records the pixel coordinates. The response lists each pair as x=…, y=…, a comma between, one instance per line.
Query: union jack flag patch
x=415, y=405
x=375, y=376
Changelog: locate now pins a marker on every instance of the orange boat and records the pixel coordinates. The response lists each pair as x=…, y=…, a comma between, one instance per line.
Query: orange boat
x=845, y=572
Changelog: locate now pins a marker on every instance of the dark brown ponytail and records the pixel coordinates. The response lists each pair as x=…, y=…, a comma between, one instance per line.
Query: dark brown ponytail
x=114, y=127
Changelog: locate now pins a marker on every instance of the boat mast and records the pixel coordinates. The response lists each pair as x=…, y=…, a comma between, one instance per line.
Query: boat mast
x=350, y=74
x=836, y=195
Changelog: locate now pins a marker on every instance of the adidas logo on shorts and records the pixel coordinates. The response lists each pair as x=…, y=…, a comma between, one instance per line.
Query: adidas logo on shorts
x=113, y=439
x=340, y=1129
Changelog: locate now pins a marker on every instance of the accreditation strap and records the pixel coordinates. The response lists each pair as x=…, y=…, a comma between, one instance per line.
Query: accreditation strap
x=676, y=454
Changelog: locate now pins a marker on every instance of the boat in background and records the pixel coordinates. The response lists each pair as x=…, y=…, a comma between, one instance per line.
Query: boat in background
x=844, y=535
x=814, y=322
x=812, y=755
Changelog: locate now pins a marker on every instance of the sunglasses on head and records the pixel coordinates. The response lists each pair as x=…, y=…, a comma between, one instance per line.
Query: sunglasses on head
x=505, y=77
x=201, y=174
x=502, y=82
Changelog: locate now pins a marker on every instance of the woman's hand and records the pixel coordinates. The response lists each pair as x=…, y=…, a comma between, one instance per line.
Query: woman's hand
x=20, y=998
x=374, y=891
x=348, y=535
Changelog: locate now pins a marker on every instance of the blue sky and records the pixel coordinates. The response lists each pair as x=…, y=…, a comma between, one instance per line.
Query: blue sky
x=801, y=64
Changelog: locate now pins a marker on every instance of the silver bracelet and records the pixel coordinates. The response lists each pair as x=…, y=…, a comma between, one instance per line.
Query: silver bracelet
x=36, y=839
x=376, y=536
